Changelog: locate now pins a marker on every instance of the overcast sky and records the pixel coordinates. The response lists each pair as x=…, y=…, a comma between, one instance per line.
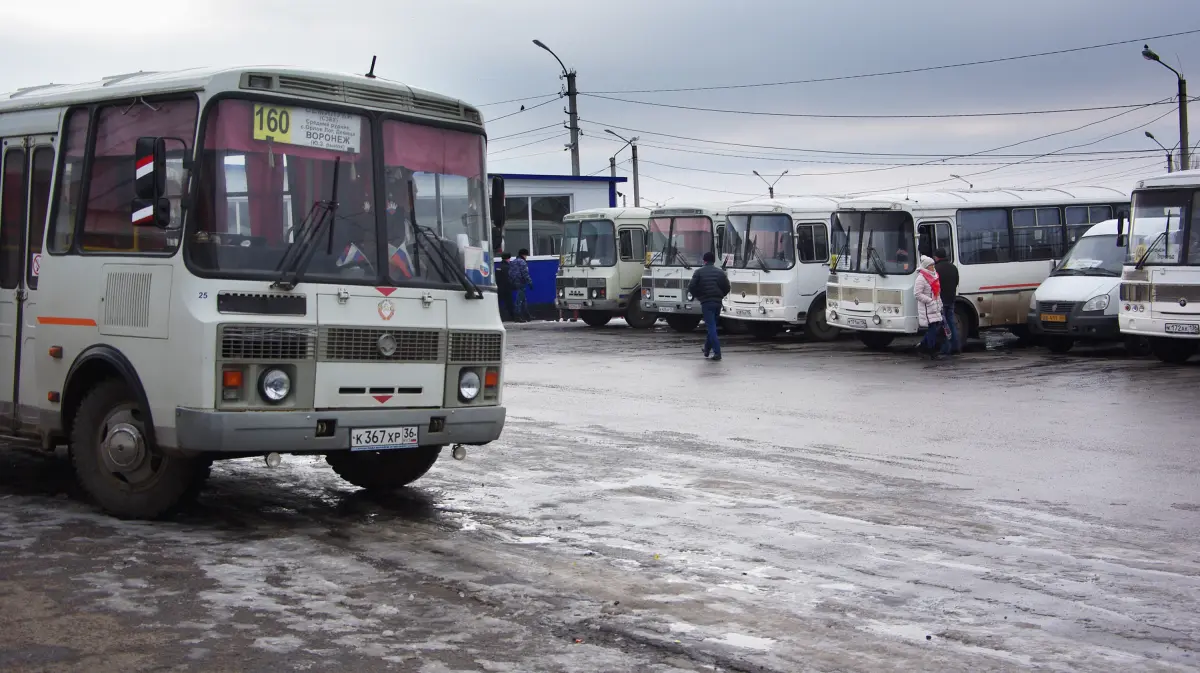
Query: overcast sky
x=481, y=51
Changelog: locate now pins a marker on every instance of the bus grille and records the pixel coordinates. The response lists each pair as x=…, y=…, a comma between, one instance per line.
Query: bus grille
x=354, y=344
x=1173, y=293
x=260, y=342
x=740, y=288
x=475, y=347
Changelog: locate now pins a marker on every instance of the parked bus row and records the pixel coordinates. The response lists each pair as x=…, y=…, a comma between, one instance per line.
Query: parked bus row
x=1053, y=264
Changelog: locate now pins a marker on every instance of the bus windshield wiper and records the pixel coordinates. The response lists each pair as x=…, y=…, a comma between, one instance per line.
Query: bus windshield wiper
x=762, y=261
x=1146, y=255
x=300, y=251
x=431, y=240
x=873, y=255
x=676, y=255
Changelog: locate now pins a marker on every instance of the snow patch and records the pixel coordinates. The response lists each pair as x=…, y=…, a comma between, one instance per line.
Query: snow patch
x=743, y=641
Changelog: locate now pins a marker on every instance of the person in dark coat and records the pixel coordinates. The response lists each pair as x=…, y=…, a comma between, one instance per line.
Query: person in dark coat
x=504, y=288
x=948, y=274
x=709, y=286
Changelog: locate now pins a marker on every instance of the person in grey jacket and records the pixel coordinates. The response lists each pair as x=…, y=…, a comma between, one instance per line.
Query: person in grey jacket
x=709, y=286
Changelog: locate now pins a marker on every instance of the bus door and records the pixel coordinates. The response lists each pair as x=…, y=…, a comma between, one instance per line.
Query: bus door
x=26, y=166
x=933, y=235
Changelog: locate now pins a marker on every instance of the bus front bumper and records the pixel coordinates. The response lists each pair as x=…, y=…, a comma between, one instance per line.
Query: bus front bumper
x=261, y=432
x=673, y=306
x=589, y=304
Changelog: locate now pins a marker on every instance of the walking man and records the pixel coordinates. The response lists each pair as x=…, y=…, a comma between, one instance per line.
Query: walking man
x=948, y=275
x=709, y=286
x=518, y=275
x=504, y=288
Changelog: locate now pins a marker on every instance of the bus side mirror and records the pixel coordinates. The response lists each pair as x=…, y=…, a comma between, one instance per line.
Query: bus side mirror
x=1121, y=240
x=150, y=207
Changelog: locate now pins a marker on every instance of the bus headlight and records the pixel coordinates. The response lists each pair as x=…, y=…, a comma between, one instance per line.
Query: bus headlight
x=274, y=385
x=690, y=297
x=561, y=293
x=468, y=385
x=1097, y=303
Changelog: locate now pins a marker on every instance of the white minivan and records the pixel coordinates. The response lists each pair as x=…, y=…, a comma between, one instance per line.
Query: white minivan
x=1078, y=302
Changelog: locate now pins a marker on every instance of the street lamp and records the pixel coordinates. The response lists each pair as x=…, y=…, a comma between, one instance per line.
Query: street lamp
x=1170, y=159
x=572, y=110
x=771, y=185
x=969, y=185
x=1149, y=55
x=637, y=192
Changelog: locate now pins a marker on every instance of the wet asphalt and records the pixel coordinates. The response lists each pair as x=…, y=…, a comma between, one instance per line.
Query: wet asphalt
x=794, y=507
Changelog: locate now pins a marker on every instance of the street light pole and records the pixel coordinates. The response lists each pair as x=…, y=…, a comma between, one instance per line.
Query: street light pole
x=572, y=109
x=771, y=185
x=1170, y=159
x=637, y=192
x=612, y=166
x=1184, y=163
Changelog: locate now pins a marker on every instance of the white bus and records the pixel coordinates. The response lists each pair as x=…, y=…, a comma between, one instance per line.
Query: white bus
x=678, y=238
x=776, y=253
x=603, y=253
x=1160, y=283
x=1004, y=241
x=221, y=263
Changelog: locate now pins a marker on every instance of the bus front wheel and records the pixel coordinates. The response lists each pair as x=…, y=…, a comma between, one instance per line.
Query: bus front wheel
x=119, y=467
x=765, y=330
x=595, y=318
x=638, y=317
x=1173, y=351
x=384, y=470
x=817, y=327
x=876, y=340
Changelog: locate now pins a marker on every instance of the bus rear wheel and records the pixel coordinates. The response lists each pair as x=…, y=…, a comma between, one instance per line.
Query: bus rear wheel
x=638, y=317
x=119, y=467
x=383, y=470
x=817, y=327
x=876, y=340
x=683, y=323
x=596, y=318
x=1173, y=351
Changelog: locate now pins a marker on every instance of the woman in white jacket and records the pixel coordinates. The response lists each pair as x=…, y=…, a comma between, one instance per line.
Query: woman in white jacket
x=927, y=290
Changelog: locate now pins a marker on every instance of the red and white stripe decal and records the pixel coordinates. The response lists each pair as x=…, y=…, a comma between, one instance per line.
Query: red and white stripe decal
x=145, y=166
x=143, y=215
x=386, y=291
x=382, y=399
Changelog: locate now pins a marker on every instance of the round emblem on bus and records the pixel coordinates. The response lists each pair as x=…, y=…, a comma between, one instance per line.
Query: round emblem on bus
x=1182, y=301
x=387, y=309
x=387, y=345
x=743, y=295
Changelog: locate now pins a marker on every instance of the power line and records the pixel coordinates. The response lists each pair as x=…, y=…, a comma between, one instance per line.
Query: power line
x=518, y=100
x=521, y=133
x=805, y=115
x=524, y=156
x=909, y=70
x=526, y=109
x=535, y=142
x=818, y=151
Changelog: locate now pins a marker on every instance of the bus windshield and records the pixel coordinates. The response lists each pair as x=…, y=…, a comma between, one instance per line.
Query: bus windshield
x=874, y=242
x=680, y=241
x=1156, y=227
x=264, y=169
x=758, y=241
x=589, y=243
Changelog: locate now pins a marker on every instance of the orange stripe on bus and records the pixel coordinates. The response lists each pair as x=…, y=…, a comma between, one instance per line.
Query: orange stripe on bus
x=1007, y=287
x=73, y=322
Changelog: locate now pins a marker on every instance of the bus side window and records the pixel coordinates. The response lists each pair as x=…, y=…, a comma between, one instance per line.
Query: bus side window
x=626, y=243
x=12, y=217
x=39, y=205
x=812, y=245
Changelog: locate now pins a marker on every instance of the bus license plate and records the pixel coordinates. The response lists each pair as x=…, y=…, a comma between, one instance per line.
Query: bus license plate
x=666, y=309
x=1053, y=317
x=742, y=312
x=1181, y=328
x=856, y=322
x=380, y=439
x=574, y=306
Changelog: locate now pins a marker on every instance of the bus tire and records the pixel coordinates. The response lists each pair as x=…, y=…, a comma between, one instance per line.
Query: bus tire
x=876, y=341
x=764, y=331
x=1137, y=346
x=816, y=326
x=595, y=318
x=124, y=473
x=636, y=316
x=1059, y=345
x=383, y=470
x=1173, y=351
x=962, y=323
x=683, y=323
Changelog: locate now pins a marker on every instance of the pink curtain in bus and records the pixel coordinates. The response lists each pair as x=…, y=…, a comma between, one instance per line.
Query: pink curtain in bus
x=432, y=150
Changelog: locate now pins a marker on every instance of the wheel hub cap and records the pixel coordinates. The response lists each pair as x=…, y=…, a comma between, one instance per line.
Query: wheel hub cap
x=123, y=446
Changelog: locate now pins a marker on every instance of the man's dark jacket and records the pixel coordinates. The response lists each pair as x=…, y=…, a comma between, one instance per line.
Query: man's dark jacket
x=709, y=284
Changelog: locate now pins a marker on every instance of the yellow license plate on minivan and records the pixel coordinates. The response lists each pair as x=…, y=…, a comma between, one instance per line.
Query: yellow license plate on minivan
x=1053, y=317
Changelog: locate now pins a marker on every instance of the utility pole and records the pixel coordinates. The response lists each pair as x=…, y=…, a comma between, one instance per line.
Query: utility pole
x=632, y=144
x=1184, y=161
x=612, y=166
x=572, y=108
x=771, y=185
